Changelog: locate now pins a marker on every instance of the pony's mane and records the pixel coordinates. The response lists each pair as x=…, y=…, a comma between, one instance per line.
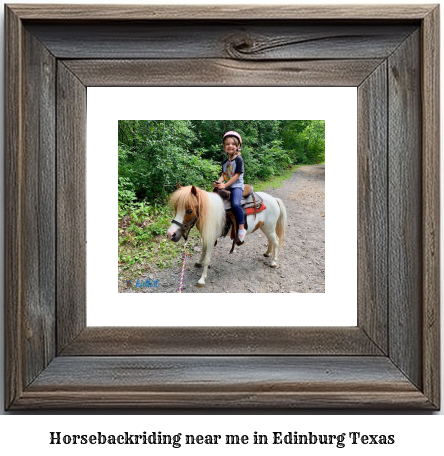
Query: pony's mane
x=183, y=198
x=211, y=211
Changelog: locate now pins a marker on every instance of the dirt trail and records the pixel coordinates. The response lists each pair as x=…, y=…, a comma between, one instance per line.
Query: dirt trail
x=301, y=261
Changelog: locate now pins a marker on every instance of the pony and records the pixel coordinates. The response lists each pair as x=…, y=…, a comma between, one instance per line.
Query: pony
x=194, y=206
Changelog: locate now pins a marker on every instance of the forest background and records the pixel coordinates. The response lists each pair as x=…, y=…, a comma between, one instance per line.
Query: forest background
x=156, y=155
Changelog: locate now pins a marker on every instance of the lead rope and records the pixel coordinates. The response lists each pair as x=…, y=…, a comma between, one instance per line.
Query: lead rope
x=183, y=265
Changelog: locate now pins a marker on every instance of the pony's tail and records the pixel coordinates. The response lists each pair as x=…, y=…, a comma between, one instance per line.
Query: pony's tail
x=281, y=223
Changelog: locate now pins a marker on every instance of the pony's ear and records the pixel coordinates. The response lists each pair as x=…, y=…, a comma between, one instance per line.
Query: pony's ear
x=178, y=185
x=194, y=190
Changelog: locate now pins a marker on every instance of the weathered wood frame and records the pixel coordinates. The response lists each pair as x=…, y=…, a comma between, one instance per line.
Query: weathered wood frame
x=390, y=360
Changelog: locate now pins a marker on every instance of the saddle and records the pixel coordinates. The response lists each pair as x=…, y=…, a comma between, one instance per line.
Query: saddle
x=250, y=199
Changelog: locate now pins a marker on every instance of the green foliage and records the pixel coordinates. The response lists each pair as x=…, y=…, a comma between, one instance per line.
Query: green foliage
x=304, y=140
x=127, y=195
x=142, y=240
x=265, y=161
x=155, y=155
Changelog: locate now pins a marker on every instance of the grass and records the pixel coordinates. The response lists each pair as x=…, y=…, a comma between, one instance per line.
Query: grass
x=143, y=245
x=275, y=181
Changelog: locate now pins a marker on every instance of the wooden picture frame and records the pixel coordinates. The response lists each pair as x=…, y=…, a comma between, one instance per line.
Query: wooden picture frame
x=390, y=360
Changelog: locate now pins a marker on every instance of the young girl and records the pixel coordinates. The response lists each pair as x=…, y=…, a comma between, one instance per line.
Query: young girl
x=233, y=175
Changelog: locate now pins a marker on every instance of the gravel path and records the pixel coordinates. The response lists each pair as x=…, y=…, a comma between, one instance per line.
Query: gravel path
x=301, y=261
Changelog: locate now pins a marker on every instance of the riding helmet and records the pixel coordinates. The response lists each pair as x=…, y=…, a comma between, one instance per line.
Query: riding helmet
x=234, y=134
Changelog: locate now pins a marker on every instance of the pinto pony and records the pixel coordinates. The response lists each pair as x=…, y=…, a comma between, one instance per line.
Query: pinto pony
x=206, y=210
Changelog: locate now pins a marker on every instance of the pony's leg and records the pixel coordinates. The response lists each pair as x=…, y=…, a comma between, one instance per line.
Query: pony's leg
x=198, y=264
x=206, y=262
x=269, y=249
x=273, y=246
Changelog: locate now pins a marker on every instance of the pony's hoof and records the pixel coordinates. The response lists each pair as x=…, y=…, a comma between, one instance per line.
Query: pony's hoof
x=197, y=265
x=200, y=285
x=266, y=254
x=273, y=265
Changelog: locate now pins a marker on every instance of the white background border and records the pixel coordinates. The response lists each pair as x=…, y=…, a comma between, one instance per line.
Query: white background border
x=336, y=307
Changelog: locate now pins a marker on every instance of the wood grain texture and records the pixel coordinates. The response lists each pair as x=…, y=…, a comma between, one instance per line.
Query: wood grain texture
x=13, y=209
x=373, y=207
x=232, y=39
x=405, y=209
x=123, y=341
x=220, y=12
x=218, y=72
x=215, y=367
x=71, y=206
x=235, y=382
x=39, y=230
x=208, y=373
x=430, y=93
x=245, y=401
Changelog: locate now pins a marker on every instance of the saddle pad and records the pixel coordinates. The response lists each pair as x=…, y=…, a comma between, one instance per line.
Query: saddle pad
x=244, y=202
x=250, y=210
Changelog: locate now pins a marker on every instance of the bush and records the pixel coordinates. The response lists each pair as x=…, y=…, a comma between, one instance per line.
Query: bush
x=156, y=155
x=127, y=195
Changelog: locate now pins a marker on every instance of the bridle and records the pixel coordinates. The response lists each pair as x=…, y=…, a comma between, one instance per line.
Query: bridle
x=191, y=222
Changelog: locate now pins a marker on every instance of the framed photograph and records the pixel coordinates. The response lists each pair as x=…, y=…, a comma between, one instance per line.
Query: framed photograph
x=306, y=252
x=389, y=359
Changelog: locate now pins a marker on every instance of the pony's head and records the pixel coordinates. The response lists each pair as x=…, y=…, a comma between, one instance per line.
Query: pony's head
x=191, y=207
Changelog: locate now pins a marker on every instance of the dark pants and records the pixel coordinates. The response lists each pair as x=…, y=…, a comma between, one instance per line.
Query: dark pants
x=236, y=196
